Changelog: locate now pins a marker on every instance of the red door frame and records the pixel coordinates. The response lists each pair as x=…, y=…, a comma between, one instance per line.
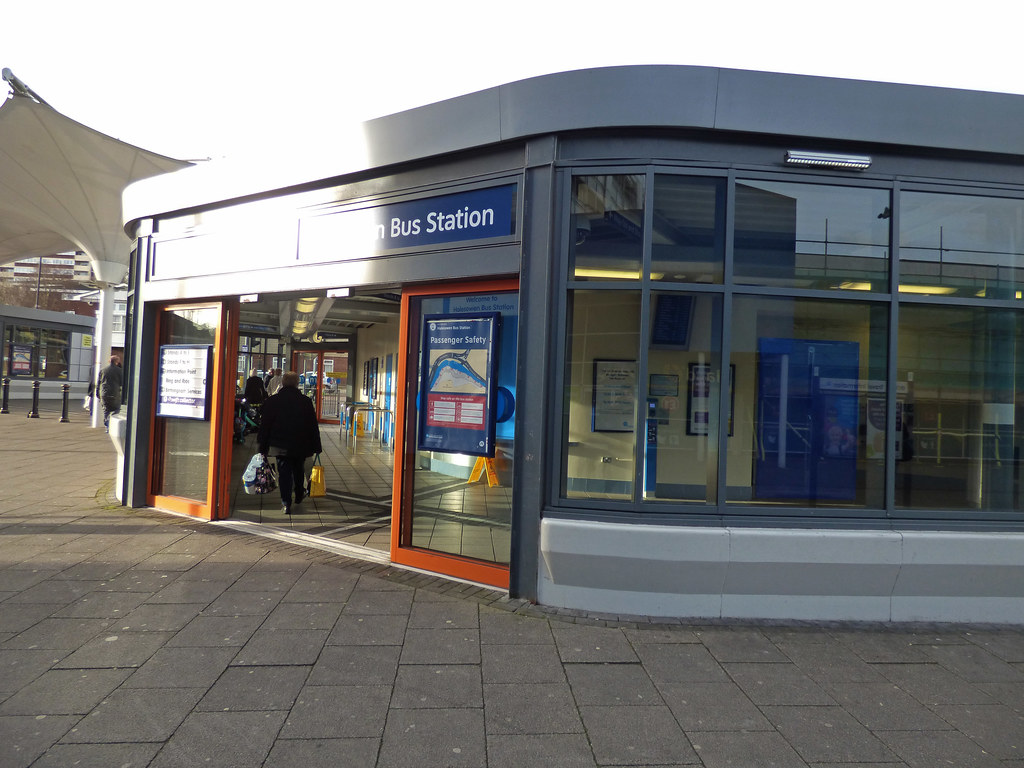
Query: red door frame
x=402, y=551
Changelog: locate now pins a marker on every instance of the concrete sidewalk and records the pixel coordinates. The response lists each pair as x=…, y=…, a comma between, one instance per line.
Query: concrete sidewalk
x=135, y=638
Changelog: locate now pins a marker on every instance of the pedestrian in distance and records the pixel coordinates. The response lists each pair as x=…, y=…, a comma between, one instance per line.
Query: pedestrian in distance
x=255, y=392
x=289, y=432
x=275, y=382
x=110, y=382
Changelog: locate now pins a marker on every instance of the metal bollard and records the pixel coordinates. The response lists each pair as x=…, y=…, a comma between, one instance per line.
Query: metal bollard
x=34, y=413
x=64, y=408
x=6, y=395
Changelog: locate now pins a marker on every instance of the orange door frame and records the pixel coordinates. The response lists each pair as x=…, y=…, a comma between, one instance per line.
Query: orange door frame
x=225, y=352
x=402, y=551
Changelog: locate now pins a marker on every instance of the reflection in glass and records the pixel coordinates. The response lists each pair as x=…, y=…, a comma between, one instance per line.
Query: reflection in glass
x=607, y=231
x=961, y=245
x=809, y=403
x=462, y=504
x=962, y=370
x=688, y=239
x=186, y=444
x=812, y=236
x=683, y=402
x=604, y=341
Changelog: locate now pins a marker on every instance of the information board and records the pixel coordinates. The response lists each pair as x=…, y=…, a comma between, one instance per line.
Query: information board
x=183, y=384
x=458, y=385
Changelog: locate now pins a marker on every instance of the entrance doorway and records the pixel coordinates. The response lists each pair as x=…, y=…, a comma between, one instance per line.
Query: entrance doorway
x=438, y=507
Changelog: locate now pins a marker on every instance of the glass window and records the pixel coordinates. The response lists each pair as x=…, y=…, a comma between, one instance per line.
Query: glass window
x=54, y=354
x=688, y=237
x=186, y=446
x=811, y=236
x=961, y=245
x=607, y=234
x=809, y=403
x=683, y=398
x=601, y=395
x=961, y=371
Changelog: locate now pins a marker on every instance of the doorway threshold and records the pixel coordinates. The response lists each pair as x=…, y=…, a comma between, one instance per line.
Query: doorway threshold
x=308, y=540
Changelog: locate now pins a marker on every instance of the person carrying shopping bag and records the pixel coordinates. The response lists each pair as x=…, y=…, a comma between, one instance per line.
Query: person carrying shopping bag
x=289, y=432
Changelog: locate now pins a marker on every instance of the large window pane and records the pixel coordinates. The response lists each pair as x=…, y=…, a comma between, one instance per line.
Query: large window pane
x=961, y=245
x=809, y=403
x=962, y=370
x=688, y=239
x=812, y=236
x=607, y=232
x=683, y=398
x=601, y=395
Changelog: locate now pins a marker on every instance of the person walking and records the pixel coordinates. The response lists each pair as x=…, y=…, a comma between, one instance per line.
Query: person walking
x=290, y=433
x=275, y=382
x=110, y=382
x=255, y=392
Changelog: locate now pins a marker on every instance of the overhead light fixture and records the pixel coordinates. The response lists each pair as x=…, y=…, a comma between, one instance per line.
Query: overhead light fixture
x=855, y=285
x=928, y=290
x=613, y=274
x=249, y=298
x=339, y=293
x=828, y=160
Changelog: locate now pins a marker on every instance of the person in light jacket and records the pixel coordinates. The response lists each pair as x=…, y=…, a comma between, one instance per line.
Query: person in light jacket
x=289, y=432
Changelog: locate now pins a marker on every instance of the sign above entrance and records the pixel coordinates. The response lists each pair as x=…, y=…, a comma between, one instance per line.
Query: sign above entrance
x=479, y=214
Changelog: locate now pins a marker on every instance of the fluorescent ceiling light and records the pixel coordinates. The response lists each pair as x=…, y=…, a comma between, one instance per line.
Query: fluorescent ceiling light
x=614, y=274
x=855, y=286
x=249, y=298
x=338, y=293
x=828, y=160
x=928, y=290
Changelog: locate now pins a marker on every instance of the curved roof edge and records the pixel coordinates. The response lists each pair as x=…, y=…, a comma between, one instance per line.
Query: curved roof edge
x=637, y=96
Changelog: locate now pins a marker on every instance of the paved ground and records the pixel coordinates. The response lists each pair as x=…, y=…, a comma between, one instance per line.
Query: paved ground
x=134, y=638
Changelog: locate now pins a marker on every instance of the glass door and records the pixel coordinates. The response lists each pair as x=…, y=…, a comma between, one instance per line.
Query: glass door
x=193, y=384
x=455, y=434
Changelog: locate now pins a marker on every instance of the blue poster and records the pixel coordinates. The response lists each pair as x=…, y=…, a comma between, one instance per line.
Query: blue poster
x=808, y=420
x=458, y=386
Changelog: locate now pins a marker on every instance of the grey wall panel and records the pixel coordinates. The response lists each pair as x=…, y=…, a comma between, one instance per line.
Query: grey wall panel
x=612, y=97
x=861, y=111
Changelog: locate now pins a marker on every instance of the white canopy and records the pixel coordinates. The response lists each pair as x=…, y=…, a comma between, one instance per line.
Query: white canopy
x=61, y=185
x=60, y=190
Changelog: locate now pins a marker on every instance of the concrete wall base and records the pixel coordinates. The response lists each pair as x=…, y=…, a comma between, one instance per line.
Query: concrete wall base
x=751, y=573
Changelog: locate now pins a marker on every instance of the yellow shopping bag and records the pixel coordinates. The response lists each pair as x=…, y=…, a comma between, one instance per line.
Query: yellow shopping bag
x=317, y=484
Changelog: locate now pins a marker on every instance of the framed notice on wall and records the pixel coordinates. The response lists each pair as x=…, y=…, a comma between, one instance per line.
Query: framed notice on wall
x=614, y=406
x=458, y=383
x=183, y=381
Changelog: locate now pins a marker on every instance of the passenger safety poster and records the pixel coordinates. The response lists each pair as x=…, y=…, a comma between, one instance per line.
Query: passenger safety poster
x=458, y=383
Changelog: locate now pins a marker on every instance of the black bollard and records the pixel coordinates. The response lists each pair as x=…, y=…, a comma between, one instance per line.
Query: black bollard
x=34, y=413
x=6, y=395
x=64, y=408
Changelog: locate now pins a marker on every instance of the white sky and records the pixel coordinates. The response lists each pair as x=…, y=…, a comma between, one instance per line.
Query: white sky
x=214, y=78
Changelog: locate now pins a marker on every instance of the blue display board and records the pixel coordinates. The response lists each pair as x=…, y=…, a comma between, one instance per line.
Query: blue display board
x=458, y=383
x=808, y=426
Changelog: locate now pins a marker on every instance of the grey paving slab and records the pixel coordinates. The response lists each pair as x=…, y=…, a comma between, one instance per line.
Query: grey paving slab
x=57, y=633
x=182, y=668
x=64, y=692
x=523, y=664
x=97, y=755
x=827, y=733
x=282, y=646
x=333, y=711
x=441, y=646
x=579, y=643
x=624, y=735
x=118, y=649
x=23, y=738
x=255, y=688
x=217, y=631
x=713, y=707
x=437, y=686
x=750, y=749
x=369, y=630
x=356, y=665
x=563, y=750
x=538, y=708
x=778, y=684
x=136, y=714
x=448, y=737
x=323, y=753
x=223, y=739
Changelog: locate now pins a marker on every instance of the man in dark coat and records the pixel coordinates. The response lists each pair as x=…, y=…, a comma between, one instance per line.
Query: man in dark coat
x=289, y=432
x=110, y=382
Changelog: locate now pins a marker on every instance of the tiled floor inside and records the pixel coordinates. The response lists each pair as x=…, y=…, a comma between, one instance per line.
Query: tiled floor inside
x=450, y=514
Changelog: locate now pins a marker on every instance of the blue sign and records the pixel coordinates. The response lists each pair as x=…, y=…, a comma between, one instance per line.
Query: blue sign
x=475, y=215
x=458, y=386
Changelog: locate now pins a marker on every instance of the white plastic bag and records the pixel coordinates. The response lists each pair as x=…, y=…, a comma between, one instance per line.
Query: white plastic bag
x=249, y=476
